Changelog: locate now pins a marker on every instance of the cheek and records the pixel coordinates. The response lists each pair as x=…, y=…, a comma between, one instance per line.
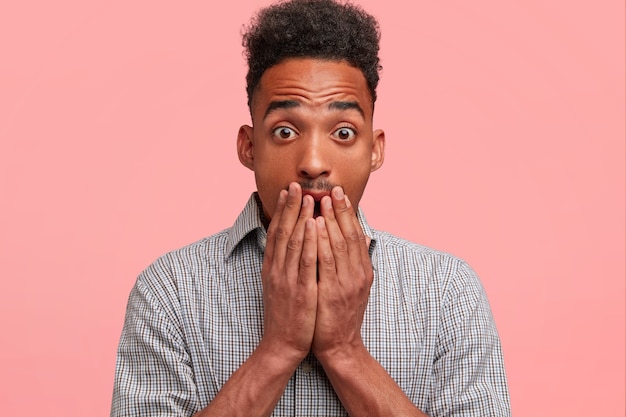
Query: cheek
x=354, y=178
x=268, y=186
x=269, y=160
x=355, y=170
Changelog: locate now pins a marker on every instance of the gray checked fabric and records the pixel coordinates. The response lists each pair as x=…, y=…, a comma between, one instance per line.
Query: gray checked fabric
x=195, y=315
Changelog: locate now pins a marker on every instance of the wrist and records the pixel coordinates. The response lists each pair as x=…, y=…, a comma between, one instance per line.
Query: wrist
x=279, y=357
x=342, y=356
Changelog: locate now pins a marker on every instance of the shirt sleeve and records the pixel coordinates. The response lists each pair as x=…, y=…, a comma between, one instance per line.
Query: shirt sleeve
x=153, y=374
x=470, y=380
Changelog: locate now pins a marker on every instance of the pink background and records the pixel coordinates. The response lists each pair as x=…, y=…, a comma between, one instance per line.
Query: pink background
x=505, y=126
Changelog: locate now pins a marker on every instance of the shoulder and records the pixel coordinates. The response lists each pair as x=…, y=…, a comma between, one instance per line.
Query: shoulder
x=393, y=249
x=186, y=262
x=413, y=263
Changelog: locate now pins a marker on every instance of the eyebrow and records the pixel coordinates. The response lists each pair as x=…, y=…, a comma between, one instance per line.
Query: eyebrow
x=335, y=105
x=346, y=105
x=283, y=104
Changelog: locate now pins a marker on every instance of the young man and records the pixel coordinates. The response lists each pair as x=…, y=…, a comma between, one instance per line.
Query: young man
x=301, y=308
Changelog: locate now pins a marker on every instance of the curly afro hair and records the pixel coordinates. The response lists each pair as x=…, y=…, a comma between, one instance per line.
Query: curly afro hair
x=323, y=29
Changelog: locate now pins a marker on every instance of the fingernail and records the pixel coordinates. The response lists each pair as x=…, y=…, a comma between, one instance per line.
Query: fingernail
x=338, y=193
x=292, y=189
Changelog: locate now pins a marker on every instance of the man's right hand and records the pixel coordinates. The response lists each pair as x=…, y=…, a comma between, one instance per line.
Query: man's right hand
x=289, y=277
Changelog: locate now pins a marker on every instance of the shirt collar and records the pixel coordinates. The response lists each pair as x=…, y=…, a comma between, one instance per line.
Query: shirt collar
x=251, y=220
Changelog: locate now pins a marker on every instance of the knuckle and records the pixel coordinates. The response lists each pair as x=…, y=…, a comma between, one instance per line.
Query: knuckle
x=271, y=233
x=281, y=233
x=341, y=246
x=309, y=239
x=367, y=277
x=269, y=280
x=307, y=262
x=279, y=208
x=291, y=203
x=361, y=288
x=353, y=236
x=294, y=243
x=299, y=299
x=327, y=259
x=343, y=208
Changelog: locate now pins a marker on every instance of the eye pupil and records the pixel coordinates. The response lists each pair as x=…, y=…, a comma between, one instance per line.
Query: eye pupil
x=343, y=134
x=284, y=133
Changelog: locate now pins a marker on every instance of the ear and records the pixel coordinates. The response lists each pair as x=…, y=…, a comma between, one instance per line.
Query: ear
x=378, y=150
x=245, y=147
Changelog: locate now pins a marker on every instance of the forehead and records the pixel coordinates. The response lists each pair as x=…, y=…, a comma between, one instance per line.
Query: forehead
x=312, y=82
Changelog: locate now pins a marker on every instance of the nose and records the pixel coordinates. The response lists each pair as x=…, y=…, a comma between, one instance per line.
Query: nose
x=313, y=158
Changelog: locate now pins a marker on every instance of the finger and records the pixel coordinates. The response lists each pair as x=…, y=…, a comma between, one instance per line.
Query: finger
x=296, y=240
x=308, y=260
x=362, y=236
x=325, y=256
x=271, y=230
x=285, y=225
x=336, y=239
x=348, y=224
x=365, y=245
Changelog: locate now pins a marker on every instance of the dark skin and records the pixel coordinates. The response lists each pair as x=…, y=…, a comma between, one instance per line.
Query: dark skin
x=312, y=128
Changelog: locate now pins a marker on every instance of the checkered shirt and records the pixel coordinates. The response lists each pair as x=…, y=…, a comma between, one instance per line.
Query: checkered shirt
x=196, y=314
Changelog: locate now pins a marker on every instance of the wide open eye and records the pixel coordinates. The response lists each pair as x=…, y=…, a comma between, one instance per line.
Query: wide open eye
x=344, y=134
x=284, y=133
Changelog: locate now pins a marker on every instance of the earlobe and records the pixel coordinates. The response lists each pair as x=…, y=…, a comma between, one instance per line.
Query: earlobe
x=378, y=150
x=245, y=147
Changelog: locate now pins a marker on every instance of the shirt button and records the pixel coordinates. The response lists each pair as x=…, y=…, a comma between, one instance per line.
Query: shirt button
x=307, y=368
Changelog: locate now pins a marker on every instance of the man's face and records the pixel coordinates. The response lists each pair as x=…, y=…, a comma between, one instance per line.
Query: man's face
x=312, y=124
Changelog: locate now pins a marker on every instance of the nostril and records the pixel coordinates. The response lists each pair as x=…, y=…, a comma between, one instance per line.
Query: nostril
x=313, y=159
